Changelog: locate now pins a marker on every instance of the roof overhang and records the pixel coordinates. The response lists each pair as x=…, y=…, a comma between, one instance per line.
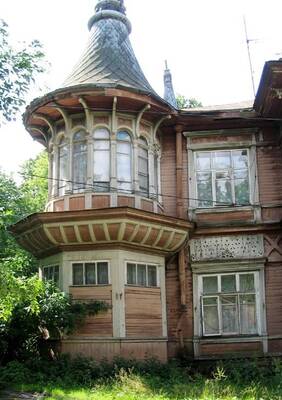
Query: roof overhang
x=50, y=233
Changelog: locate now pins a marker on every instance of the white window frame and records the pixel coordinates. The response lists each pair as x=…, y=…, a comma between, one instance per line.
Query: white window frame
x=96, y=273
x=256, y=292
x=103, y=185
x=214, y=203
x=79, y=187
x=131, y=156
x=44, y=267
x=63, y=180
x=146, y=264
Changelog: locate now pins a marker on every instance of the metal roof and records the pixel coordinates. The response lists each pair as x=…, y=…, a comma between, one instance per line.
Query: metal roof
x=109, y=59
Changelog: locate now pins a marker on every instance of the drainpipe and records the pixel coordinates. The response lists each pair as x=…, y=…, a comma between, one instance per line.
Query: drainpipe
x=180, y=214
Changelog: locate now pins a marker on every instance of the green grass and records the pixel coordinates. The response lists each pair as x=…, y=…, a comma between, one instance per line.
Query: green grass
x=136, y=386
x=84, y=379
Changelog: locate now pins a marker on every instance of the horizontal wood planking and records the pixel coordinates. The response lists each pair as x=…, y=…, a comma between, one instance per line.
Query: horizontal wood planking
x=273, y=293
x=100, y=325
x=77, y=203
x=109, y=350
x=143, y=312
x=224, y=349
x=168, y=173
x=269, y=162
x=275, y=345
x=225, y=217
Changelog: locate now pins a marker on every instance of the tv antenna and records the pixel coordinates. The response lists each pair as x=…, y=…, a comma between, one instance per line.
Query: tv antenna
x=249, y=55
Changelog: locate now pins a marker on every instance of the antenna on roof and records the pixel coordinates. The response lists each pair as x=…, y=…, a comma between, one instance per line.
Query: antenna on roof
x=249, y=55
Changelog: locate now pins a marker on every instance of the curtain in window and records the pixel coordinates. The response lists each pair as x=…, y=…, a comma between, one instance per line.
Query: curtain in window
x=143, y=167
x=63, y=166
x=79, y=161
x=124, y=161
x=101, y=160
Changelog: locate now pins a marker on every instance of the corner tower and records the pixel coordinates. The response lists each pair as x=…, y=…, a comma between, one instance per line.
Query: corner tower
x=104, y=234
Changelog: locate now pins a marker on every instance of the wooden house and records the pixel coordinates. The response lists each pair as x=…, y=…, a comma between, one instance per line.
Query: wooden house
x=172, y=217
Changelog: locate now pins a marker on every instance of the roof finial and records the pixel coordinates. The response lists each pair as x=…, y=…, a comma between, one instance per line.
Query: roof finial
x=169, y=95
x=110, y=9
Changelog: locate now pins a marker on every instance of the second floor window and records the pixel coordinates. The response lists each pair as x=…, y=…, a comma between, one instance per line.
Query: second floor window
x=143, y=167
x=79, y=161
x=142, y=275
x=63, y=166
x=51, y=273
x=124, y=161
x=222, y=178
x=101, y=160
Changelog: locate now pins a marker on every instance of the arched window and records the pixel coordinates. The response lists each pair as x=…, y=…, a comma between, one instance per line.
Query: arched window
x=79, y=161
x=143, y=168
x=63, y=166
x=101, y=160
x=124, y=154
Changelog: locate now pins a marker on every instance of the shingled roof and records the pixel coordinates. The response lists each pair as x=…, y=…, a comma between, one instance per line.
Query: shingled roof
x=109, y=59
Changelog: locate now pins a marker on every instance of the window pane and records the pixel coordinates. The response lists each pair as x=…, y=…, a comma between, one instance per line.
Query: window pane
x=240, y=159
x=223, y=191
x=222, y=160
x=101, y=134
x=102, y=273
x=45, y=273
x=152, y=275
x=101, y=145
x=90, y=274
x=77, y=274
x=203, y=161
x=131, y=274
x=101, y=166
x=242, y=195
x=204, y=189
x=248, y=320
x=79, y=170
x=144, y=183
x=124, y=148
x=247, y=282
x=141, y=275
x=79, y=136
x=228, y=283
x=143, y=165
x=143, y=142
x=123, y=136
x=124, y=186
x=210, y=284
x=229, y=314
x=210, y=311
x=56, y=274
x=124, y=167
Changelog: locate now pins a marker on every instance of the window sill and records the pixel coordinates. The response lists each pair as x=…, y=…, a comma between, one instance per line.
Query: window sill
x=142, y=287
x=89, y=286
x=223, y=209
x=229, y=339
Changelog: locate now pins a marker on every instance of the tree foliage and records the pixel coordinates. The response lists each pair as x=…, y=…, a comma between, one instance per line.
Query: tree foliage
x=184, y=102
x=18, y=69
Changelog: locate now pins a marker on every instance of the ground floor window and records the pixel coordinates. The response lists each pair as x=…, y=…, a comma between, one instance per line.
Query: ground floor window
x=141, y=275
x=229, y=303
x=51, y=273
x=90, y=273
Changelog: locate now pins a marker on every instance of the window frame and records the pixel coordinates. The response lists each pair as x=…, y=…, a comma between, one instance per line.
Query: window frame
x=131, y=161
x=79, y=187
x=145, y=147
x=257, y=293
x=45, y=267
x=147, y=265
x=101, y=186
x=63, y=181
x=213, y=171
x=96, y=273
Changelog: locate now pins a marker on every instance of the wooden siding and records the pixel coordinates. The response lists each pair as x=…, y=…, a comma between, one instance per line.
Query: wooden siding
x=226, y=349
x=143, y=312
x=168, y=173
x=269, y=161
x=102, y=350
x=100, y=201
x=77, y=203
x=273, y=294
x=214, y=218
x=99, y=325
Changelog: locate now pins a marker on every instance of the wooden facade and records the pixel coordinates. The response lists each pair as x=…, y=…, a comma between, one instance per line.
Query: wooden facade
x=181, y=271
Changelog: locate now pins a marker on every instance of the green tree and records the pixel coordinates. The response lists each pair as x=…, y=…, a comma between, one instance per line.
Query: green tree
x=34, y=188
x=184, y=102
x=18, y=69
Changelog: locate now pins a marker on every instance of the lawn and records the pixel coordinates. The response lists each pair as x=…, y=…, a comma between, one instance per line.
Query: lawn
x=134, y=386
x=86, y=380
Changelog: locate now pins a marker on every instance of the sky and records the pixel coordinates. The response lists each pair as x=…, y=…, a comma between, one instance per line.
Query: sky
x=203, y=41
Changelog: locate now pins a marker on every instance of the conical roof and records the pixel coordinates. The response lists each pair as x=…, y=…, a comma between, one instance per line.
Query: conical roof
x=109, y=59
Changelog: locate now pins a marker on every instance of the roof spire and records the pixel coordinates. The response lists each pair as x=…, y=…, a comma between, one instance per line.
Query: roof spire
x=169, y=95
x=109, y=60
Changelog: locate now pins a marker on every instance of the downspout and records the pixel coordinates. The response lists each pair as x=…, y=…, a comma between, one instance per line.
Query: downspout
x=180, y=214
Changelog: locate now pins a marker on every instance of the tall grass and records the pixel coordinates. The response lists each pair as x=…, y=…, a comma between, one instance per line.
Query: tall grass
x=81, y=379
